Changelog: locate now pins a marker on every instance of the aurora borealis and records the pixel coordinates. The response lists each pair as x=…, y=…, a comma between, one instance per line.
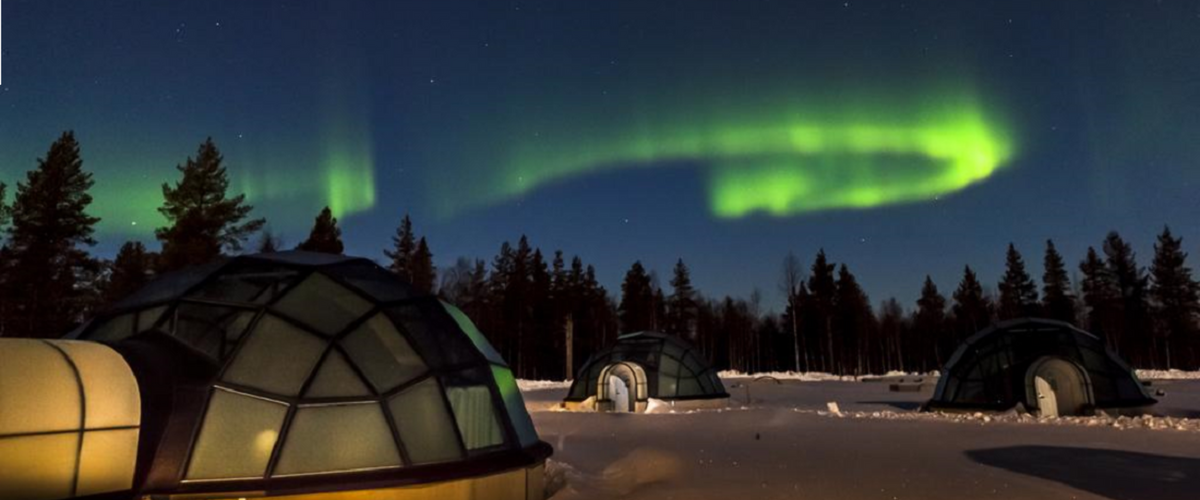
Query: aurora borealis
x=724, y=132
x=791, y=162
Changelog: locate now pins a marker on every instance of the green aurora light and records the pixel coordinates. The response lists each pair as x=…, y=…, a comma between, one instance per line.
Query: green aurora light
x=777, y=160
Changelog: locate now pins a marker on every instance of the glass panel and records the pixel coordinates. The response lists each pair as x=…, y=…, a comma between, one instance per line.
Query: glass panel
x=237, y=437
x=476, y=416
x=110, y=391
x=515, y=406
x=146, y=319
x=323, y=304
x=373, y=280
x=668, y=386
x=335, y=378
x=673, y=350
x=113, y=329
x=477, y=337
x=693, y=362
x=337, y=438
x=383, y=354
x=425, y=425
x=106, y=461
x=435, y=334
x=170, y=285
x=277, y=357
x=48, y=402
x=254, y=283
x=689, y=387
x=207, y=328
x=38, y=467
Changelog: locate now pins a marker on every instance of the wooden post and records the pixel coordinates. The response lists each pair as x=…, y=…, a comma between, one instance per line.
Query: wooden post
x=570, y=347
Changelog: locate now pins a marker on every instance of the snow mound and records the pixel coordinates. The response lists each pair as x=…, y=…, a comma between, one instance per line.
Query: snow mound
x=1016, y=417
x=817, y=376
x=659, y=406
x=1171, y=374
x=537, y=385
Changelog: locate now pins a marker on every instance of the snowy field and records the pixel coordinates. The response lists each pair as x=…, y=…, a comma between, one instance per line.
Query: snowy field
x=783, y=442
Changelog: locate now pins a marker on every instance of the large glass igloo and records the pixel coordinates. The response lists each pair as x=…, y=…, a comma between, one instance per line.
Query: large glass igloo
x=299, y=372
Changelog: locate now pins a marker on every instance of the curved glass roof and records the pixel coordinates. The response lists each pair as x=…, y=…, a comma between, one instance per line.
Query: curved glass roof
x=328, y=365
x=674, y=368
x=989, y=369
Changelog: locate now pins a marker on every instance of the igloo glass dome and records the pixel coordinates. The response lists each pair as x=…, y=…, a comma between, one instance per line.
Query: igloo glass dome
x=298, y=372
x=642, y=366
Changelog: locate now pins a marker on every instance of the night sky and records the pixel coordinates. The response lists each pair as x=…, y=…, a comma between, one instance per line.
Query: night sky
x=905, y=138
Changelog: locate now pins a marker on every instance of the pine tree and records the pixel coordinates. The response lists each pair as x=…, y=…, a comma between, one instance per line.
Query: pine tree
x=50, y=224
x=637, y=300
x=131, y=270
x=971, y=307
x=854, y=320
x=1176, y=295
x=1018, y=293
x=202, y=220
x=268, y=242
x=1057, y=299
x=325, y=237
x=929, y=323
x=822, y=288
x=1100, y=298
x=404, y=245
x=422, y=270
x=681, y=305
x=1136, y=337
x=790, y=283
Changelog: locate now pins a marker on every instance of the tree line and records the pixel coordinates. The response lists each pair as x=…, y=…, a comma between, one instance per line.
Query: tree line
x=546, y=313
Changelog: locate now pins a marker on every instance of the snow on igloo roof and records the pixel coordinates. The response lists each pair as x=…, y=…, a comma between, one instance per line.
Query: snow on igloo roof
x=674, y=368
x=327, y=365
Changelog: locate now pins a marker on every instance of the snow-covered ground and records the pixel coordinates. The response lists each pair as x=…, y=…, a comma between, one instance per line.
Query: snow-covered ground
x=1168, y=375
x=779, y=440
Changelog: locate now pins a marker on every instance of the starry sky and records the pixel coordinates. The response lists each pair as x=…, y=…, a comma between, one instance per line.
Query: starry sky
x=904, y=137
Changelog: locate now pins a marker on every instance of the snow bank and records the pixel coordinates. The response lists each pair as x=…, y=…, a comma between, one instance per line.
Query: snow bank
x=1013, y=417
x=537, y=385
x=818, y=376
x=1168, y=375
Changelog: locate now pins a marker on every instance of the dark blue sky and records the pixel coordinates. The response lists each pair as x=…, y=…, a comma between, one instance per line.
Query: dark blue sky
x=428, y=107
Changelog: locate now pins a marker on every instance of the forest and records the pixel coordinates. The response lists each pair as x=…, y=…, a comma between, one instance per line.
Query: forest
x=546, y=312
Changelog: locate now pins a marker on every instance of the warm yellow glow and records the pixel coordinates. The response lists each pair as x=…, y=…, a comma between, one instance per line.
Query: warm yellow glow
x=520, y=484
x=43, y=419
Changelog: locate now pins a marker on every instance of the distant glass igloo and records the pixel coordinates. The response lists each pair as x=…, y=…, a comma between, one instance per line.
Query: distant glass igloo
x=643, y=366
x=1048, y=366
x=296, y=372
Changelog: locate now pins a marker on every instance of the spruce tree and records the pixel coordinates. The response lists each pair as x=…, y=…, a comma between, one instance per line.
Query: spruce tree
x=404, y=245
x=971, y=307
x=929, y=323
x=1057, y=300
x=1100, y=298
x=268, y=242
x=636, y=311
x=821, y=290
x=1175, y=293
x=202, y=220
x=1134, y=323
x=325, y=237
x=131, y=270
x=681, y=305
x=1018, y=293
x=854, y=320
x=45, y=252
x=422, y=271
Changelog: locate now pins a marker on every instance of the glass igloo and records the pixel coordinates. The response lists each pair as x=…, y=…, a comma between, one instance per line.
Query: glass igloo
x=643, y=366
x=314, y=372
